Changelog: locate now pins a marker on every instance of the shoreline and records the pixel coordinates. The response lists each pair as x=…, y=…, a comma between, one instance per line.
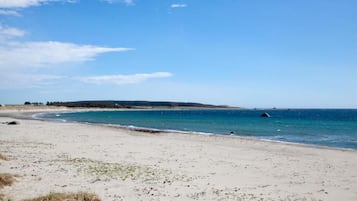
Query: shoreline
x=154, y=130
x=119, y=163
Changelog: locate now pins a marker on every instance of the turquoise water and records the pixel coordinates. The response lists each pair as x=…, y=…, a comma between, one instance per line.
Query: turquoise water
x=335, y=128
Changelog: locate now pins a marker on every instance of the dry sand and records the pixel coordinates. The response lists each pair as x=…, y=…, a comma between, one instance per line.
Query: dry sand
x=120, y=164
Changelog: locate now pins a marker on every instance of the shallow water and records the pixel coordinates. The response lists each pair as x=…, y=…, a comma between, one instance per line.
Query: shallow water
x=328, y=127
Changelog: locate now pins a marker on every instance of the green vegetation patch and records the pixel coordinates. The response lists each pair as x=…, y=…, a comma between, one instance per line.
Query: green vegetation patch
x=26, y=144
x=119, y=170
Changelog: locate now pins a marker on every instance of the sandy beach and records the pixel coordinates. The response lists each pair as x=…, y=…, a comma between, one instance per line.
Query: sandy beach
x=121, y=164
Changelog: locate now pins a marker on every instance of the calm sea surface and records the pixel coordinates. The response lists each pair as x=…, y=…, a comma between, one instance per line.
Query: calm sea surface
x=335, y=128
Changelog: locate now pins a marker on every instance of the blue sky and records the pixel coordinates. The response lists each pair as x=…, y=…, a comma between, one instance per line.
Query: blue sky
x=255, y=53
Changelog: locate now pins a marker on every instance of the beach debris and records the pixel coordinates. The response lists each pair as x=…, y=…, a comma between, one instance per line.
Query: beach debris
x=12, y=123
x=265, y=114
x=146, y=130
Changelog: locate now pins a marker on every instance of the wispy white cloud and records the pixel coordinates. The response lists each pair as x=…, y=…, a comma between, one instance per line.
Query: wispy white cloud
x=28, y=3
x=10, y=32
x=22, y=80
x=20, y=61
x=17, y=58
x=123, y=79
x=19, y=3
x=10, y=12
x=176, y=5
x=127, y=2
x=38, y=54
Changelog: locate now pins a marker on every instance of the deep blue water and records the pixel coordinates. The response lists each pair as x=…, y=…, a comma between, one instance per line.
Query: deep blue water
x=335, y=128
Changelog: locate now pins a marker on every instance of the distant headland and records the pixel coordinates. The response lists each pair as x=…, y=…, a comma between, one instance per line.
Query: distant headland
x=133, y=104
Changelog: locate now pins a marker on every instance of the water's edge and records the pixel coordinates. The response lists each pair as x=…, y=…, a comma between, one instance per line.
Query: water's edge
x=37, y=116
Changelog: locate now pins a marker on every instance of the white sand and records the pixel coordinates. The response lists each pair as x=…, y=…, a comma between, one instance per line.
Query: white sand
x=118, y=164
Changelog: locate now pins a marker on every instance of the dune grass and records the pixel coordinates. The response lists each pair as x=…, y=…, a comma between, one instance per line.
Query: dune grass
x=67, y=197
x=6, y=180
x=3, y=157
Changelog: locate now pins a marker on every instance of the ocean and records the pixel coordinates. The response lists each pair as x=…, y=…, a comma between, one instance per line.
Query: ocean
x=326, y=127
